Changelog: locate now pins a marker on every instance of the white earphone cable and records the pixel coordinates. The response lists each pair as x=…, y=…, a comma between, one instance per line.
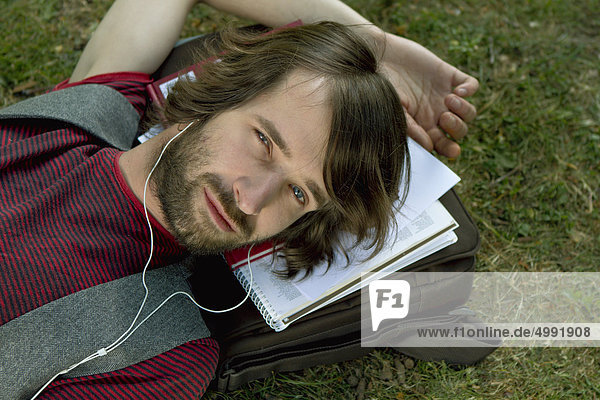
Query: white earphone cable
x=132, y=328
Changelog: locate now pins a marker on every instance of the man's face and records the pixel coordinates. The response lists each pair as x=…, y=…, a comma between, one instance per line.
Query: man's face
x=250, y=172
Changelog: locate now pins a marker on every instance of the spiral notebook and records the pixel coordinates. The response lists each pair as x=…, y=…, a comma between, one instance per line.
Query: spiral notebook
x=424, y=226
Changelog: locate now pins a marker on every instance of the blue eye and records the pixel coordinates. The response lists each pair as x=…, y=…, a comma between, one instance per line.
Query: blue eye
x=299, y=194
x=265, y=140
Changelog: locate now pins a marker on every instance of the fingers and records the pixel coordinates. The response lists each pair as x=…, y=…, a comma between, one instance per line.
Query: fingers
x=434, y=138
x=459, y=106
x=453, y=126
x=465, y=84
x=416, y=132
x=455, y=121
x=442, y=144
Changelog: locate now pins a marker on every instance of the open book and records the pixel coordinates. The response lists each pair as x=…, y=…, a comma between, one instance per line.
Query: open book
x=424, y=226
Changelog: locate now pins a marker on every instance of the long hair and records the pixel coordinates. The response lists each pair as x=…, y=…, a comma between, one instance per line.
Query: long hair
x=366, y=155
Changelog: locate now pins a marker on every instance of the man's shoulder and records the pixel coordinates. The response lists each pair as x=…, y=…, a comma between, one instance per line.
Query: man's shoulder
x=100, y=110
x=110, y=79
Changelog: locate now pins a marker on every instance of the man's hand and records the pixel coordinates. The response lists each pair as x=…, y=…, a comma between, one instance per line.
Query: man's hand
x=432, y=93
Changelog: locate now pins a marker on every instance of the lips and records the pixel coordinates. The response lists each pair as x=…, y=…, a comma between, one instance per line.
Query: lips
x=217, y=213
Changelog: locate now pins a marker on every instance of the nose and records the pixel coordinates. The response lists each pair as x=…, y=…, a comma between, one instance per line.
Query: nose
x=253, y=193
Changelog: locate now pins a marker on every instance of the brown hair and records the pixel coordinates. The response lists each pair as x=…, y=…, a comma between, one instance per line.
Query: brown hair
x=366, y=154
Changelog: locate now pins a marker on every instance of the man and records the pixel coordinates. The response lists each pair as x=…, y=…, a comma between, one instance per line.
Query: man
x=321, y=115
x=260, y=166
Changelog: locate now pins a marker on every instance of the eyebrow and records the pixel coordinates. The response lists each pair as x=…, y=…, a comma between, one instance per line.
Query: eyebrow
x=316, y=192
x=277, y=138
x=275, y=135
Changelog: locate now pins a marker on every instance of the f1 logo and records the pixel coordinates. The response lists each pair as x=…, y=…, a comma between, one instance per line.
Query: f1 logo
x=389, y=299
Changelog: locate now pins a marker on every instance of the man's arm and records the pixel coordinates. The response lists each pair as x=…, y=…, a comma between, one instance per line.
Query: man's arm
x=432, y=91
x=134, y=35
x=137, y=35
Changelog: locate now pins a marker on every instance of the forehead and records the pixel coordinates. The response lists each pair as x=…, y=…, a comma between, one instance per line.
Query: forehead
x=298, y=109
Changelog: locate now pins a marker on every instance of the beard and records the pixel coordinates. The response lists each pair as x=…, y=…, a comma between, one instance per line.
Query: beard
x=179, y=181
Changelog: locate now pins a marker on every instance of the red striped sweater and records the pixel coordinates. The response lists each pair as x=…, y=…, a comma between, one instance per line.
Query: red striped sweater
x=68, y=221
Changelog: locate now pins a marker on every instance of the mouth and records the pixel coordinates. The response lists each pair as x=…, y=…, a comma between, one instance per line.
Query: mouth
x=217, y=213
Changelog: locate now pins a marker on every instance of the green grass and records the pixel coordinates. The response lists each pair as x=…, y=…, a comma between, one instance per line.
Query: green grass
x=530, y=167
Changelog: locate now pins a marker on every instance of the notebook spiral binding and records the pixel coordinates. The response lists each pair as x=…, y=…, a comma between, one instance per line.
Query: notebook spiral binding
x=262, y=304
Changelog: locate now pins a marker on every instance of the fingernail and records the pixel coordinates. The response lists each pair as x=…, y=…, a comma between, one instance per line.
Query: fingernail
x=461, y=92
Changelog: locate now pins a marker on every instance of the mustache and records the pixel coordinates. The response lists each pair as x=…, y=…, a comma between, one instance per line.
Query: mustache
x=228, y=202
